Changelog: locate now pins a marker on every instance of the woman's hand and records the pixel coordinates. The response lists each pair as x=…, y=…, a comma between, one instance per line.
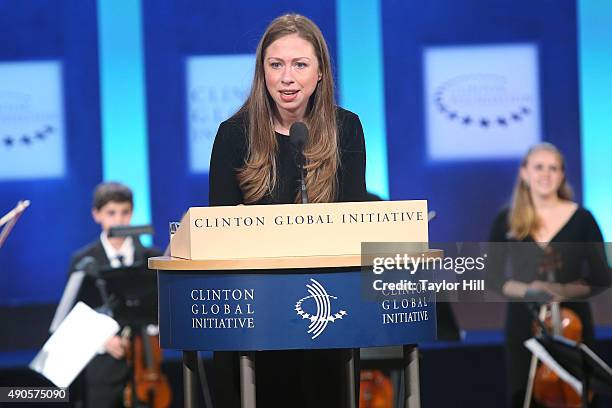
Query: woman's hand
x=562, y=291
x=534, y=291
x=548, y=288
x=515, y=289
x=574, y=290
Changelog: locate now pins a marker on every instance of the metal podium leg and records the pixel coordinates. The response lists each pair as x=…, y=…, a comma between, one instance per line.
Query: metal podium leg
x=247, y=380
x=190, y=378
x=412, y=392
x=352, y=384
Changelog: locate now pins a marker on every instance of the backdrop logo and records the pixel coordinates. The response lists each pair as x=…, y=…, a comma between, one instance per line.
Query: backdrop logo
x=31, y=120
x=481, y=101
x=323, y=315
x=217, y=85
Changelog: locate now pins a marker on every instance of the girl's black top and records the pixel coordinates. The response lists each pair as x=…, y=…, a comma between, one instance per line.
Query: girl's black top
x=578, y=246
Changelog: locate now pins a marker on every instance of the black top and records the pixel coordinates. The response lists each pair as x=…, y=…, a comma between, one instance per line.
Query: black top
x=230, y=152
x=578, y=242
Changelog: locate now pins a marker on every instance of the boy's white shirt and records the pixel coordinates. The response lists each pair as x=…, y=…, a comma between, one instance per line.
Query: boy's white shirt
x=126, y=251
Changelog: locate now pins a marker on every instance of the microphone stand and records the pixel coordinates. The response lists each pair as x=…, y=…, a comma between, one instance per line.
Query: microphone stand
x=298, y=137
x=303, y=191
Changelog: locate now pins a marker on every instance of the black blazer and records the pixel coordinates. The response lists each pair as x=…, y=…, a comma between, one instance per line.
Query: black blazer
x=90, y=295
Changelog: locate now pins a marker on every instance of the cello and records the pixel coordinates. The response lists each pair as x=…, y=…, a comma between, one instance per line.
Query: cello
x=376, y=390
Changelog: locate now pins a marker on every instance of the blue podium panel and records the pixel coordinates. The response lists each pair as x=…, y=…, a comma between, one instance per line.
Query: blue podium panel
x=288, y=309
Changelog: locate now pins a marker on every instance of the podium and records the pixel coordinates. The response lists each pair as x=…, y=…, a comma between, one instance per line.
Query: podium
x=246, y=290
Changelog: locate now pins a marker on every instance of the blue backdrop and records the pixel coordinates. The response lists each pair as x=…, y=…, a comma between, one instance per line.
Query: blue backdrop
x=34, y=260
x=466, y=194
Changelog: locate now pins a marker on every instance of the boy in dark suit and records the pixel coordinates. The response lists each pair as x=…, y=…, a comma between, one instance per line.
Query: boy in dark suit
x=107, y=374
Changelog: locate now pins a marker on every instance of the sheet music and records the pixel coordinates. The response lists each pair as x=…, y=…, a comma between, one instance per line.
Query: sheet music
x=540, y=352
x=75, y=342
x=68, y=298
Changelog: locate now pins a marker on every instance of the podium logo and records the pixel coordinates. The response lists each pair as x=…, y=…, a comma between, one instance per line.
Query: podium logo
x=323, y=315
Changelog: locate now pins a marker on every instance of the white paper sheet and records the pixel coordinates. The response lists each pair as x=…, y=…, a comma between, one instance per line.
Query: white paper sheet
x=536, y=348
x=75, y=342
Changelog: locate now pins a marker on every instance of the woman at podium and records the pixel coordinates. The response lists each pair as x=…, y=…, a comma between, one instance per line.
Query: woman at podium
x=254, y=162
x=549, y=240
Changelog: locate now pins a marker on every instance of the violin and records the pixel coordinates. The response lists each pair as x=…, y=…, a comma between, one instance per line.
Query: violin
x=152, y=387
x=376, y=390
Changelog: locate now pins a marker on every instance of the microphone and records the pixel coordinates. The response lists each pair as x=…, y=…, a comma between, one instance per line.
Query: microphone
x=298, y=136
x=431, y=215
x=123, y=231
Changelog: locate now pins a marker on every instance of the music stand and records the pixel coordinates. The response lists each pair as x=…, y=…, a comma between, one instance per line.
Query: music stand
x=130, y=295
x=576, y=359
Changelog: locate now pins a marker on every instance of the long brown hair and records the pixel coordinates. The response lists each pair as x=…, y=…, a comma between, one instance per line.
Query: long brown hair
x=522, y=218
x=258, y=177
